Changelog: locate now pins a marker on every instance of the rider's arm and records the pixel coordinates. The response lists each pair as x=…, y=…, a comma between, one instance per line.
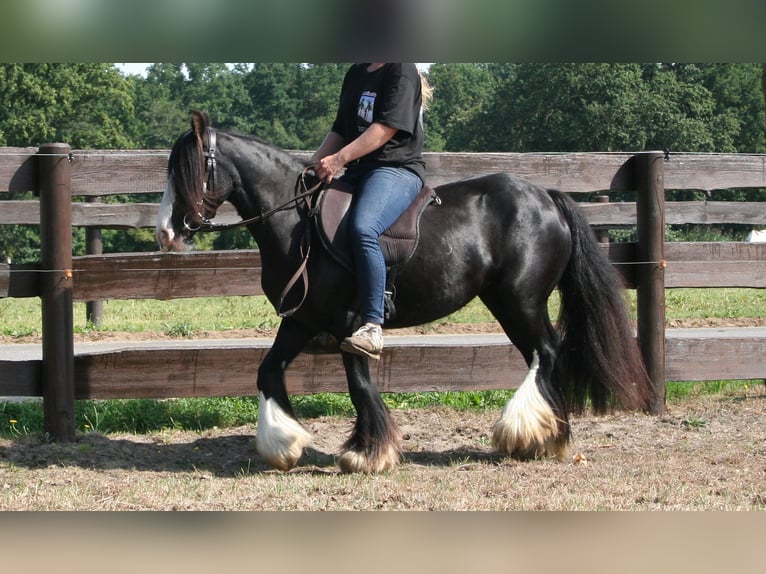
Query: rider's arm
x=332, y=142
x=374, y=137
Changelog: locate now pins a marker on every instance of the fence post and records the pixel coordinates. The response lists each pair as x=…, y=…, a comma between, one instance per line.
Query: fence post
x=94, y=310
x=650, y=276
x=56, y=290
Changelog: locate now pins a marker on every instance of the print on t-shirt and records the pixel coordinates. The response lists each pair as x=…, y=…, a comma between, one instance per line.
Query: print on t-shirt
x=366, y=105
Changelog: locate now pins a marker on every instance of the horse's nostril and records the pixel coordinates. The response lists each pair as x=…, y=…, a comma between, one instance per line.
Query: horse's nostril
x=164, y=238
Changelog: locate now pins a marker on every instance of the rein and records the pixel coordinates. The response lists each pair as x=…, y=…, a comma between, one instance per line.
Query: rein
x=209, y=225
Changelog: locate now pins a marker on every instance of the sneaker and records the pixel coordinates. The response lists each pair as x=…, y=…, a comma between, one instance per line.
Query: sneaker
x=367, y=340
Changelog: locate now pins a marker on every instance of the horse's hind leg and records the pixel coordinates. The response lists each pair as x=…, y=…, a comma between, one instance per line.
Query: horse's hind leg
x=534, y=422
x=374, y=444
x=280, y=439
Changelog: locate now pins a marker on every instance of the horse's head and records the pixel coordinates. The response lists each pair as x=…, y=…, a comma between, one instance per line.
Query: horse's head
x=196, y=186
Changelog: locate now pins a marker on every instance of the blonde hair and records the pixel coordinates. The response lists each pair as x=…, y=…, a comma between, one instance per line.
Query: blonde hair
x=426, y=90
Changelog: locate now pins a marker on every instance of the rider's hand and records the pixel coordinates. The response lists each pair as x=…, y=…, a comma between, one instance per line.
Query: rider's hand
x=327, y=167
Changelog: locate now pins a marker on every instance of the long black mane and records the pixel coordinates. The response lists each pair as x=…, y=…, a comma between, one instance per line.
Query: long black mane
x=186, y=171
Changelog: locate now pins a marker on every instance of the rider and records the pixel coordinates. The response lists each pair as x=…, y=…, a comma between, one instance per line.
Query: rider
x=377, y=136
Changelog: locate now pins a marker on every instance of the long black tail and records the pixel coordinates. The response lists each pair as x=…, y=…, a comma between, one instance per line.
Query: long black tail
x=599, y=357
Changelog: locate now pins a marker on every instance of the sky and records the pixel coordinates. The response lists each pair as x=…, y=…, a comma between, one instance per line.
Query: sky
x=139, y=69
x=132, y=68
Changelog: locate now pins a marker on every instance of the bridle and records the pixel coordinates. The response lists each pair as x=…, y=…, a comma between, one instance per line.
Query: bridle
x=209, y=185
x=302, y=193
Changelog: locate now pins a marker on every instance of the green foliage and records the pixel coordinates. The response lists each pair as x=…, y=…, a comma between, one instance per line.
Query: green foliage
x=323, y=404
x=482, y=107
x=695, y=232
x=85, y=105
x=21, y=418
x=476, y=107
x=179, y=329
x=597, y=107
x=239, y=238
x=127, y=241
x=19, y=243
x=568, y=107
x=461, y=94
x=457, y=400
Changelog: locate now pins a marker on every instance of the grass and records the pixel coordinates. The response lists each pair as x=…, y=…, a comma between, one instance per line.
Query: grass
x=198, y=414
x=192, y=317
x=714, y=303
x=178, y=317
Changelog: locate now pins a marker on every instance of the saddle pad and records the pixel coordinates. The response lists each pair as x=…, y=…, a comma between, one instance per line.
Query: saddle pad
x=398, y=242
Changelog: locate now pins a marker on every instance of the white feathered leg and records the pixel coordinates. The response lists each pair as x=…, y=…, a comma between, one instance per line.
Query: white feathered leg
x=280, y=439
x=528, y=427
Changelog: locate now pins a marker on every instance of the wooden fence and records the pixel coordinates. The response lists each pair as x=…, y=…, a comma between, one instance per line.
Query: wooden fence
x=205, y=368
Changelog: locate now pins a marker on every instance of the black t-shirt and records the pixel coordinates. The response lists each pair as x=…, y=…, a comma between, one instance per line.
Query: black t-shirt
x=391, y=96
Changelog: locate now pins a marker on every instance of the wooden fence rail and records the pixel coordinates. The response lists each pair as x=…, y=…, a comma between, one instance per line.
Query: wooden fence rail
x=231, y=273
x=611, y=215
x=111, y=172
x=202, y=368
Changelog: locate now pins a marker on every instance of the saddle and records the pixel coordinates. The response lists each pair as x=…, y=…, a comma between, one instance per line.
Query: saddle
x=328, y=212
x=398, y=242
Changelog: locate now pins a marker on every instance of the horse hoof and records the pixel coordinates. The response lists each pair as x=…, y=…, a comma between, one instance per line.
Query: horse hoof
x=518, y=436
x=511, y=444
x=280, y=439
x=355, y=461
x=283, y=461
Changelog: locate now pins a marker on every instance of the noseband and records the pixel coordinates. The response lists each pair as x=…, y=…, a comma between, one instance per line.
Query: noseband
x=209, y=187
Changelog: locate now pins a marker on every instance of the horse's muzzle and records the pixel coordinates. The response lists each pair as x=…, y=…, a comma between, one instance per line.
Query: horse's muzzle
x=169, y=241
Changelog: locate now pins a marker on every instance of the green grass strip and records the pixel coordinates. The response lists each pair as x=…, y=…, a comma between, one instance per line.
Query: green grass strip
x=139, y=416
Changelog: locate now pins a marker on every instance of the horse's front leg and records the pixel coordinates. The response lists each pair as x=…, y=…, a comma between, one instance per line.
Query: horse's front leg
x=374, y=444
x=280, y=438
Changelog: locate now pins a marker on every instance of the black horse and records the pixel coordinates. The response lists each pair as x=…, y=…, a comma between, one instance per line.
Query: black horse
x=497, y=237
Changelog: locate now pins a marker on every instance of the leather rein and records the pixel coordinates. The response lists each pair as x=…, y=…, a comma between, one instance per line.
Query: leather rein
x=206, y=224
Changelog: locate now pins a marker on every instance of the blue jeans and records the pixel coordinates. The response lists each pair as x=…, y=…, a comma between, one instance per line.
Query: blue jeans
x=380, y=197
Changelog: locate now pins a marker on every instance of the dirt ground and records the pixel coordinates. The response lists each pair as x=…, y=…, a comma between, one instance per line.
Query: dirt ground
x=708, y=453
x=705, y=453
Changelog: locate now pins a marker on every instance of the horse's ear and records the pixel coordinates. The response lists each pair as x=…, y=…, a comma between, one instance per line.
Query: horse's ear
x=200, y=121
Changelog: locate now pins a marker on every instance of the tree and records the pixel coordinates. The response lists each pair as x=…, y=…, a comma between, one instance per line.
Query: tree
x=738, y=103
x=566, y=107
x=170, y=91
x=85, y=105
x=160, y=113
x=597, y=107
x=220, y=91
x=461, y=93
x=317, y=92
x=271, y=90
x=19, y=243
x=681, y=109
